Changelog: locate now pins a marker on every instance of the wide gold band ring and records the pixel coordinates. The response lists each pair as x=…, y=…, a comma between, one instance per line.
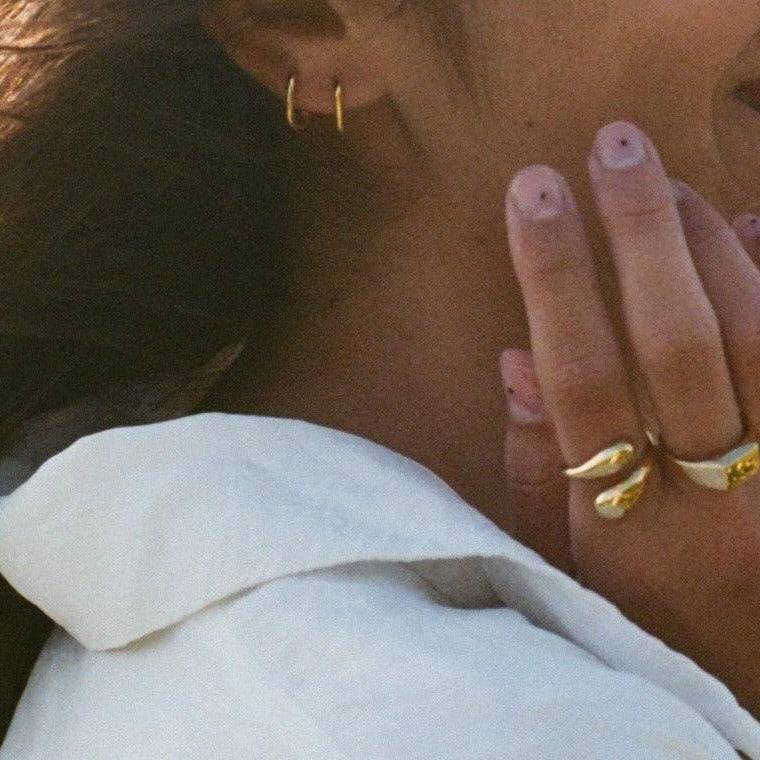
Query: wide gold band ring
x=726, y=472
x=614, y=503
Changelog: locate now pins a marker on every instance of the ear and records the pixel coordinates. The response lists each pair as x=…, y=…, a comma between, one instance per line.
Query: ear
x=319, y=42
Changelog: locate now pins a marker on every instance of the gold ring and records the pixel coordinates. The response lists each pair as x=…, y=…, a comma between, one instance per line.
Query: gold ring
x=615, y=502
x=608, y=462
x=726, y=472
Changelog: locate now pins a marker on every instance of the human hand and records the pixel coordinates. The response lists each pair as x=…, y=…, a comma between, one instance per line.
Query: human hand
x=684, y=562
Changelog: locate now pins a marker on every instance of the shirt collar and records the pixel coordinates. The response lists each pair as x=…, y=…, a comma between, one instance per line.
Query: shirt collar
x=131, y=529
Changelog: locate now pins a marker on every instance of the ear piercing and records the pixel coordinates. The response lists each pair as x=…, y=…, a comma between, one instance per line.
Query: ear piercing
x=339, y=107
x=290, y=106
x=292, y=113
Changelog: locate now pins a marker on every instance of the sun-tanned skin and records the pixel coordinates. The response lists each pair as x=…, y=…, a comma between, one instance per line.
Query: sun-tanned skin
x=404, y=293
x=400, y=306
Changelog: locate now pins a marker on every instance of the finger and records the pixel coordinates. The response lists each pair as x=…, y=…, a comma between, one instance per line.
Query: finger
x=747, y=227
x=670, y=322
x=578, y=361
x=732, y=283
x=537, y=489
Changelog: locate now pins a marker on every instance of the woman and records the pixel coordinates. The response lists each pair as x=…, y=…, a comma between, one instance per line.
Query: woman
x=259, y=268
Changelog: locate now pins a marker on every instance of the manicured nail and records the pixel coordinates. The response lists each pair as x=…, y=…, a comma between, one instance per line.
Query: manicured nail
x=747, y=225
x=538, y=191
x=620, y=145
x=521, y=387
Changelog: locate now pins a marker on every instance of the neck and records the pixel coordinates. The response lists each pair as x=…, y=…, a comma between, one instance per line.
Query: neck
x=395, y=308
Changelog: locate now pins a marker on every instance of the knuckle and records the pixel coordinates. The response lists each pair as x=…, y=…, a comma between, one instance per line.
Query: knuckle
x=587, y=382
x=640, y=206
x=531, y=487
x=552, y=255
x=644, y=213
x=746, y=341
x=553, y=249
x=710, y=234
x=533, y=471
x=683, y=351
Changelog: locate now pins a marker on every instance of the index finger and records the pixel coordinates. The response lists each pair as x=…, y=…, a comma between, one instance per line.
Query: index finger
x=578, y=359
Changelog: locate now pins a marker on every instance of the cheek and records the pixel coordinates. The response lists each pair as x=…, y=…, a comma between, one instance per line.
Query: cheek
x=737, y=141
x=550, y=80
x=736, y=125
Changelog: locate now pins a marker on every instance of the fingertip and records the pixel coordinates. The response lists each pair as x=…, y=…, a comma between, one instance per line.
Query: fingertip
x=747, y=227
x=521, y=387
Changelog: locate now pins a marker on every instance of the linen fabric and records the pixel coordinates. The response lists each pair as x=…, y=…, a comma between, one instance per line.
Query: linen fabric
x=230, y=586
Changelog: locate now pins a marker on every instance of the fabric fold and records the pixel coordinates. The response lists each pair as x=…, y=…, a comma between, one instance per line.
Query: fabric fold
x=133, y=529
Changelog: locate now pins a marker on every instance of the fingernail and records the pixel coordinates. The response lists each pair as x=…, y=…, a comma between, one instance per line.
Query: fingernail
x=538, y=192
x=620, y=145
x=748, y=225
x=521, y=387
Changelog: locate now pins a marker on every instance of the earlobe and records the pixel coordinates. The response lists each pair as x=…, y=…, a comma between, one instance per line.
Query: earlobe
x=313, y=69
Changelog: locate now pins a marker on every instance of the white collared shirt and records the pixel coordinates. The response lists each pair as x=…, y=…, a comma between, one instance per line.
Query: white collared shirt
x=230, y=586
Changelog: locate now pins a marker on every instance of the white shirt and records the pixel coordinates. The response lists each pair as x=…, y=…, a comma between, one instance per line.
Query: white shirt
x=234, y=586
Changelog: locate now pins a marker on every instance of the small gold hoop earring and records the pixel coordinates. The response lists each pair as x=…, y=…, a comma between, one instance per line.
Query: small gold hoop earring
x=290, y=108
x=339, y=114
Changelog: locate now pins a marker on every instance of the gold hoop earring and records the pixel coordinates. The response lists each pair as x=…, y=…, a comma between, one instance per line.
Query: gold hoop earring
x=290, y=106
x=339, y=114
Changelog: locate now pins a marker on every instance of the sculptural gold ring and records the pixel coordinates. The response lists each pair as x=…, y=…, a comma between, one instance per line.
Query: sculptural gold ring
x=614, y=503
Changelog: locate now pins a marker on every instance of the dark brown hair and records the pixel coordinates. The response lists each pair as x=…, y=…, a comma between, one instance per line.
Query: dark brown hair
x=140, y=194
x=144, y=183
x=141, y=186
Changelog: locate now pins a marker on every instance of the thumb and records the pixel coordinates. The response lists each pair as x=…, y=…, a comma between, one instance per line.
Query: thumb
x=537, y=489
